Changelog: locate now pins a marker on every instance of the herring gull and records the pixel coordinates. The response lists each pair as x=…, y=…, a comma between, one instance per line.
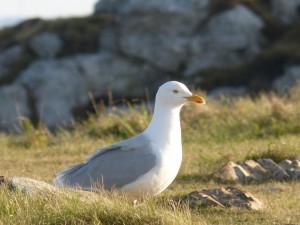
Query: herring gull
x=142, y=165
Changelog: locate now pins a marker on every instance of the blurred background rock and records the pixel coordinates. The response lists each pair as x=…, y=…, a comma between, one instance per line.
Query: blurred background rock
x=49, y=69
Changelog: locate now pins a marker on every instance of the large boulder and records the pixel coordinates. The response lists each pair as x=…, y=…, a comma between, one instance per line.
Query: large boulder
x=14, y=106
x=226, y=40
x=57, y=87
x=159, y=31
x=285, y=11
x=63, y=85
x=8, y=57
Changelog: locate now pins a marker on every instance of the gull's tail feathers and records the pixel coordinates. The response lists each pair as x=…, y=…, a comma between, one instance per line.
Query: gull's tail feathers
x=61, y=179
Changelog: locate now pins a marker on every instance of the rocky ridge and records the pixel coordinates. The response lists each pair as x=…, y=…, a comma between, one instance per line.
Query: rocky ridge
x=48, y=69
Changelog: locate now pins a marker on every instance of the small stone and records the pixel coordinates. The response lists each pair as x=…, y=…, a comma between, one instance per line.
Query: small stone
x=285, y=164
x=234, y=173
x=258, y=172
x=277, y=172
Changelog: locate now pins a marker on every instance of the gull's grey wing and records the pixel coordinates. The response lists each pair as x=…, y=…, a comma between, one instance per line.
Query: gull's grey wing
x=112, y=166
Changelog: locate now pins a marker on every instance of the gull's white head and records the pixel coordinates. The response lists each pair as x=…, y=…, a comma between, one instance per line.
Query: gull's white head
x=176, y=94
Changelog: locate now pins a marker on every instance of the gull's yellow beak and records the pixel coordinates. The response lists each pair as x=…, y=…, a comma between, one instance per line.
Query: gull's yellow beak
x=196, y=98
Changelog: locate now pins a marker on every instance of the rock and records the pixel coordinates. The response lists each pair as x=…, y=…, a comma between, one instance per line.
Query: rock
x=57, y=87
x=108, y=40
x=285, y=164
x=288, y=80
x=224, y=197
x=14, y=106
x=159, y=31
x=262, y=170
x=197, y=198
x=285, y=11
x=227, y=40
x=292, y=167
x=28, y=186
x=258, y=172
x=277, y=172
x=46, y=45
x=8, y=57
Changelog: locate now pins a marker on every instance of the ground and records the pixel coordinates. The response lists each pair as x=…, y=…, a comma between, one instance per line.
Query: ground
x=233, y=129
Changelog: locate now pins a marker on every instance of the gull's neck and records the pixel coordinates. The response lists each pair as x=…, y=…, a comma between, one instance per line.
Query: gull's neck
x=164, y=128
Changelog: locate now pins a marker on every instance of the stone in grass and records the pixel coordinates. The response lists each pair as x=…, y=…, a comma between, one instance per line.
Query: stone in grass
x=233, y=173
x=292, y=167
x=262, y=170
x=256, y=170
x=224, y=197
x=277, y=172
x=28, y=186
x=33, y=188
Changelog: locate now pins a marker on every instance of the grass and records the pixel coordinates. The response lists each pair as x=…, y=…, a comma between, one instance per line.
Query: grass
x=229, y=129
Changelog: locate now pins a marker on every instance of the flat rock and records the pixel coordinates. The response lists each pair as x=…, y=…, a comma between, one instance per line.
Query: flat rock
x=224, y=197
x=28, y=185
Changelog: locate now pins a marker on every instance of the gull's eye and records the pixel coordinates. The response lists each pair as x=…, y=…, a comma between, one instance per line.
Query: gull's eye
x=175, y=91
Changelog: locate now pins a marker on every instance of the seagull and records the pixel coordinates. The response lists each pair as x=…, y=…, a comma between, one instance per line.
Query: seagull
x=144, y=165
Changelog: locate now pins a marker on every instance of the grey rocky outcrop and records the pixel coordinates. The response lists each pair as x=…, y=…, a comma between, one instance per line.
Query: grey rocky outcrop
x=258, y=171
x=226, y=40
x=223, y=197
x=159, y=31
x=8, y=57
x=59, y=86
x=141, y=45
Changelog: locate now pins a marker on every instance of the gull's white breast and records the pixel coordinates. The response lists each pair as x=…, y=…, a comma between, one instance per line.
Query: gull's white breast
x=161, y=175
